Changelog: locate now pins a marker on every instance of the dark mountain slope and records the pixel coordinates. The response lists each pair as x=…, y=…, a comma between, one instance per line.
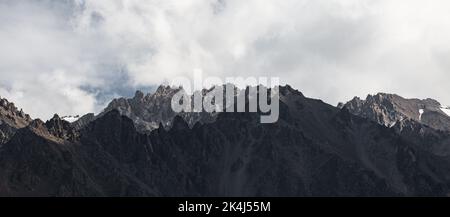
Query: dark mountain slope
x=313, y=150
x=422, y=122
x=36, y=162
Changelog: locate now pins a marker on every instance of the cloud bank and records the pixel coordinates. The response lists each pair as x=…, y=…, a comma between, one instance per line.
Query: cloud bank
x=72, y=56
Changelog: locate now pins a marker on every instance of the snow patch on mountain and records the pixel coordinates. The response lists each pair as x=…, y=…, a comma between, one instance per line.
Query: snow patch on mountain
x=70, y=118
x=446, y=110
x=421, y=111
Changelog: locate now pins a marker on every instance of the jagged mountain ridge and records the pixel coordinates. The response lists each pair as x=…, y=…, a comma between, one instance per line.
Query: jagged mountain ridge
x=419, y=121
x=313, y=150
x=150, y=111
x=388, y=109
x=153, y=110
x=11, y=119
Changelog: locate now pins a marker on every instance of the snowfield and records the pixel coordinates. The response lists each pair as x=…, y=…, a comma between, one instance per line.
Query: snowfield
x=71, y=119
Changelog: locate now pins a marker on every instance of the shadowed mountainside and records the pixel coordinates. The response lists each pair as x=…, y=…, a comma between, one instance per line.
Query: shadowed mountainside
x=313, y=150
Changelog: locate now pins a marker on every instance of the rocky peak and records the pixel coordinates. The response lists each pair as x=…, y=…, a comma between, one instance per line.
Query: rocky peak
x=388, y=109
x=287, y=89
x=162, y=93
x=61, y=128
x=12, y=116
x=147, y=112
x=165, y=90
x=11, y=119
x=39, y=127
x=139, y=95
x=55, y=129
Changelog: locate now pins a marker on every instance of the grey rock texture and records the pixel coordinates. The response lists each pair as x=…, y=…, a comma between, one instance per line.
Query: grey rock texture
x=11, y=119
x=313, y=150
x=419, y=121
x=151, y=110
x=387, y=109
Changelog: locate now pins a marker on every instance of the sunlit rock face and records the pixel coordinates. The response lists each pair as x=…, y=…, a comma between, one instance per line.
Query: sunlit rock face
x=388, y=109
x=11, y=119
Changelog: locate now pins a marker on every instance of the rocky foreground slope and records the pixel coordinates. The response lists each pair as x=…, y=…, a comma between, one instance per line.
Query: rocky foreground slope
x=313, y=150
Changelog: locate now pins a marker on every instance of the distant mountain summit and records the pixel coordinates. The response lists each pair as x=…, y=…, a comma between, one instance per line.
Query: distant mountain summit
x=391, y=109
x=150, y=111
x=146, y=111
x=11, y=119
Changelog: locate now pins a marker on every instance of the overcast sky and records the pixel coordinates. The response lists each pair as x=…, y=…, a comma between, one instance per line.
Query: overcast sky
x=73, y=56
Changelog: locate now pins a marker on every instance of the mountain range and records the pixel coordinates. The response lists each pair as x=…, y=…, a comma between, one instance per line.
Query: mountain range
x=385, y=145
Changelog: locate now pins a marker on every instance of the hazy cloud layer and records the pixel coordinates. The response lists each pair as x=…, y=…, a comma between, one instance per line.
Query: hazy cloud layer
x=72, y=56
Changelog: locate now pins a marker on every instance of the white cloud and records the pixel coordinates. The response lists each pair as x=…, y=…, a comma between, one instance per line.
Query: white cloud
x=59, y=56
